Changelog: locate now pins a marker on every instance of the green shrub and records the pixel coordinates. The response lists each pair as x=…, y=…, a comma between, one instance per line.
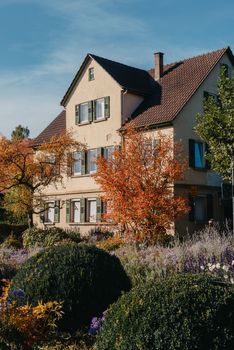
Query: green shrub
x=12, y=242
x=186, y=312
x=48, y=237
x=10, y=337
x=8, y=229
x=86, y=278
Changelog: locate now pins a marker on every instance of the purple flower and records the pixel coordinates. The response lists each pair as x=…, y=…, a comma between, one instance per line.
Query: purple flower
x=96, y=324
x=16, y=294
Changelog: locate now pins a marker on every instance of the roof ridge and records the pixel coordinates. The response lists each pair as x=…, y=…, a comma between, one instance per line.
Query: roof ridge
x=122, y=64
x=195, y=56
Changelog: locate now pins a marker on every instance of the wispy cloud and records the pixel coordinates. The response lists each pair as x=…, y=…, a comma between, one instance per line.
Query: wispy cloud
x=31, y=96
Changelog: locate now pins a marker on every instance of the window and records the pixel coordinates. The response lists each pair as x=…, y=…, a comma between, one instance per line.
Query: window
x=201, y=208
x=75, y=211
x=91, y=159
x=77, y=163
x=84, y=112
x=92, y=110
x=49, y=213
x=108, y=152
x=99, y=109
x=91, y=210
x=197, y=154
x=91, y=74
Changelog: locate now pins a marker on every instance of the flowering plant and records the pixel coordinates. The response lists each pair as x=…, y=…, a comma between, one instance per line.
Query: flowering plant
x=32, y=322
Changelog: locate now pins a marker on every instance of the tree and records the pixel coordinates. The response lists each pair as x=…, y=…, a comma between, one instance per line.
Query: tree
x=137, y=182
x=20, y=133
x=26, y=171
x=216, y=127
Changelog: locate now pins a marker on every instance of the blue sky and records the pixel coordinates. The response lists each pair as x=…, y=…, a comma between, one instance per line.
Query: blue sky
x=43, y=43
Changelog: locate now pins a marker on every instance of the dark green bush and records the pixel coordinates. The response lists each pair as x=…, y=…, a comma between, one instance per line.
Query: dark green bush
x=12, y=242
x=86, y=278
x=8, y=229
x=48, y=237
x=10, y=337
x=181, y=313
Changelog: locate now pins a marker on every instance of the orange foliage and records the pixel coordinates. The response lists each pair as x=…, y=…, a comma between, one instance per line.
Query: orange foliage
x=27, y=170
x=138, y=184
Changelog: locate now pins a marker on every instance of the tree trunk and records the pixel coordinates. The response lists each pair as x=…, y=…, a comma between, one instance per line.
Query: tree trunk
x=30, y=219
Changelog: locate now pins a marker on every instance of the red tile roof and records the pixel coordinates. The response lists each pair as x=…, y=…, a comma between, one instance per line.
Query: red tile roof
x=179, y=82
x=163, y=99
x=56, y=127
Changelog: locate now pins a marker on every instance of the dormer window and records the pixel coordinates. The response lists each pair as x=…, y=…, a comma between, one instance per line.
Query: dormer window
x=91, y=74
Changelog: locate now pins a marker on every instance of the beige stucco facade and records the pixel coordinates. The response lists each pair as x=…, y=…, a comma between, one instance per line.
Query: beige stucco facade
x=104, y=133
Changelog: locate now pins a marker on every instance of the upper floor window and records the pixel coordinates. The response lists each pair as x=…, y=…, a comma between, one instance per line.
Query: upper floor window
x=77, y=163
x=197, y=154
x=92, y=110
x=91, y=73
x=91, y=160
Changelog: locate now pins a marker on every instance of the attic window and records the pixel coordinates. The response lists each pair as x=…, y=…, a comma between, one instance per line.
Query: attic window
x=91, y=74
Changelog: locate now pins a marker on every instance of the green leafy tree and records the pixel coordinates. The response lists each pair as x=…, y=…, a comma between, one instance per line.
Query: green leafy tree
x=216, y=126
x=20, y=133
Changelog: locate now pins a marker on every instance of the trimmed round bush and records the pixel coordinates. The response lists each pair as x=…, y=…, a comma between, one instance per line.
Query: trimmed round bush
x=186, y=312
x=86, y=278
x=37, y=237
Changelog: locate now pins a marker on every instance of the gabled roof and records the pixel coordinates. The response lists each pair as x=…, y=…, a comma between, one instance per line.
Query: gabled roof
x=129, y=78
x=55, y=128
x=179, y=82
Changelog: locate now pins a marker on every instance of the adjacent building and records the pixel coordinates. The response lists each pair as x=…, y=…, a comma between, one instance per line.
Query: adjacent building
x=105, y=95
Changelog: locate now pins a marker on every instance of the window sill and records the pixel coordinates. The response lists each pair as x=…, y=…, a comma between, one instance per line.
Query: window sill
x=81, y=175
x=199, y=169
x=84, y=123
x=100, y=120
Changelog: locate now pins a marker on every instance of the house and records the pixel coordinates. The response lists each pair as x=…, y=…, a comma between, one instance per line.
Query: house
x=103, y=96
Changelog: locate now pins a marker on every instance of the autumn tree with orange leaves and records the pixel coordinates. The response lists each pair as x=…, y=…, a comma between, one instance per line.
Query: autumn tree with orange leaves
x=26, y=169
x=137, y=182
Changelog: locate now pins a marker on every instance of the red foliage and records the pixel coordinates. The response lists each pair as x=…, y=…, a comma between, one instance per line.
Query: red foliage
x=138, y=184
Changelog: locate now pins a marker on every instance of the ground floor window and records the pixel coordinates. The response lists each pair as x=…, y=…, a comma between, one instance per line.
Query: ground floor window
x=91, y=210
x=49, y=213
x=201, y=208
x=84, y=210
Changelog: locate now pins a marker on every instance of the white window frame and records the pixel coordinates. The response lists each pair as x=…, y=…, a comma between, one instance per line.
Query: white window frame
x=76, y=159
x=102, y=115
x=73, y=201
x=86, y=106
x=91, y=74
x=89, y=161
x=89, y=218
x=50, y=210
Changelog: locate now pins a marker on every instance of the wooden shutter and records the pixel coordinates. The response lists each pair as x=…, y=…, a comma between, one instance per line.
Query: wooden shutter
x=209, y=203
x=83, y=162
x=69, y=164
x=99, y=209
x=191, y=153
x=82, y=209
x=90, y=111
x=77, y=114
x=68, y=210
x=191, y=211
x=107, y=106
x=57, y=211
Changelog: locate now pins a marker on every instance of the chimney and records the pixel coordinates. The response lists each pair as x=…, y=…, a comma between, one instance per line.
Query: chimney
x=158, y=65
